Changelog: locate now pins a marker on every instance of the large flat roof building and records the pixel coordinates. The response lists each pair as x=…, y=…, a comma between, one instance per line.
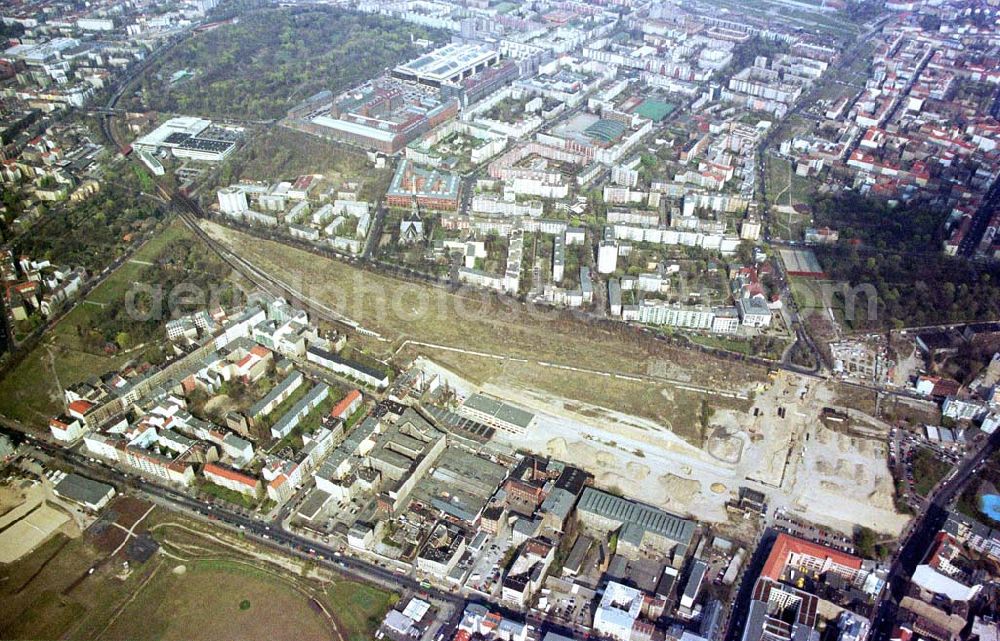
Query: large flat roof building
x=641, y=528
x=497, y=414
x=189, y=137
x=86, y=492
x=450, y=64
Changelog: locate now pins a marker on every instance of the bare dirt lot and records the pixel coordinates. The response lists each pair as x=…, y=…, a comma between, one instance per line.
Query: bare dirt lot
x=811, y=471
x=30, y=515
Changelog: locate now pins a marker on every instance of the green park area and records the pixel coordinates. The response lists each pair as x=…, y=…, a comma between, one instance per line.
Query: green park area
x=98, y=334
x=308, y=50
x=928, y=470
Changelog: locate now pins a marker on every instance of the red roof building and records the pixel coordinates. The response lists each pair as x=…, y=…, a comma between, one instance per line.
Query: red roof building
x=347, y=405
x=78, y=409
x=808, y=556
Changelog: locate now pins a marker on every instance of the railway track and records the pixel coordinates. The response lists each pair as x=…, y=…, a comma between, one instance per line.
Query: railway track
x=190, y=213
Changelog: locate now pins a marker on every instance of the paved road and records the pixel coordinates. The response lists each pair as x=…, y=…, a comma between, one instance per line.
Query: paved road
x=981, y=220
x=263, y=532
x=919, y=537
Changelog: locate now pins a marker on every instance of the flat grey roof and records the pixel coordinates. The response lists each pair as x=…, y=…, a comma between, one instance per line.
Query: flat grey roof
x=629, y=512
x=499, y=410
x=82, y=490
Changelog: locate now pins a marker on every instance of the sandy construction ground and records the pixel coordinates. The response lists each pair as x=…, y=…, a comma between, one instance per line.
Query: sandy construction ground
x=810, y=470
x=838, y=482
x=31, y=514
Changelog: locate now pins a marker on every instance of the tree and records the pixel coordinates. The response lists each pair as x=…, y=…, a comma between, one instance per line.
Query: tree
x=123, y=340
x=865, y=542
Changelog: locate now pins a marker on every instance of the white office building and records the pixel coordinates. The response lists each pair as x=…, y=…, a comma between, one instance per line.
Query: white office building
x=233, y=201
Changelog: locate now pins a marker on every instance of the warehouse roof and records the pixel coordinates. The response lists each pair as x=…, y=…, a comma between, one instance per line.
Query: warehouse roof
x=499, y=410
x=629, y=512
x=82, y=490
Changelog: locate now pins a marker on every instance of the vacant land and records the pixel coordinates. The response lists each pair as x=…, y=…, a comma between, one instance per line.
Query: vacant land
x=255, y=67
x=532, y=341
x=211, y=584
x=273, y=591
x=359, y=608
x=928, y=469
x=218, y=600
x=44, y=597
x=674, y=410
x=475, y=320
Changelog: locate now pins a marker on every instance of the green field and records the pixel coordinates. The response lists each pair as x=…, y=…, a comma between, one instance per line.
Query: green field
x=786, y=189
x=210, y=586
x=228, y=495
x=205, y=603
x=469, y=319
x=728, y=344
x=928, y=469
x=359, y=608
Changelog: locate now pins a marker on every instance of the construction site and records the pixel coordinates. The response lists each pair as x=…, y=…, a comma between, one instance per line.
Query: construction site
x=768, y=437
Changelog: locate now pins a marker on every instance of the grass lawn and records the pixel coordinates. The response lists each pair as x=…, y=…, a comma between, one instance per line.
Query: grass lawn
x=359, y=608
x=817, y=296
x=205, y=603
x=786, y=189
x=228, y=495
x=32, y=391
x=718, y=342
x=276, y=595
x=928, y=469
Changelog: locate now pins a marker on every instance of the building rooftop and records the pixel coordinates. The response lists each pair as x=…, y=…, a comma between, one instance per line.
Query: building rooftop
x=785, y=546
x=499, y=410
x=441, y=65
x=411, y=180
x=643, y=516
x=82, y=490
